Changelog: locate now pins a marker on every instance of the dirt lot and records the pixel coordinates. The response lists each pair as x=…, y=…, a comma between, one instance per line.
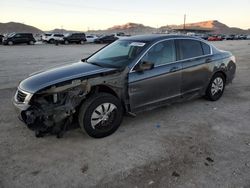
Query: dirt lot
x=192, y=144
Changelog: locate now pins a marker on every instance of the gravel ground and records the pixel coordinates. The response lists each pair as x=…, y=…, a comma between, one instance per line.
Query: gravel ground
x=196, y=143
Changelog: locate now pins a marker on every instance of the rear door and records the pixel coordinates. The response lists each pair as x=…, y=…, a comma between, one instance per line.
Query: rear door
x=163, y=82
x=29, y=37
x=73, y=37
x=194, y=56
x=58, y=36
x=25, y=38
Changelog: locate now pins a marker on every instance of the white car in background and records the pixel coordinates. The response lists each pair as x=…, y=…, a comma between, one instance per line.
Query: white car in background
x=52, y=37
x=91, y=38
x=120, y=35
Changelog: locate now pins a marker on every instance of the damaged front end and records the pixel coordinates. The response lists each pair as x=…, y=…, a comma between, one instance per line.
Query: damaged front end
x=51, y=109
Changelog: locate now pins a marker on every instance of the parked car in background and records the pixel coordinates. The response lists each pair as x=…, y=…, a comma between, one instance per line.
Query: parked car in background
x=248, y=37
x=204, y=36
x=222, y=36
x=128, y=76
x=91, y=38
x=78, y=38
x=242, y=37
x=52, y=37
x=1, y=39
x=215, y=38
x=229, y=37
x=19, y=38
x=106, y=39
x=120, y=35
x=236, y=37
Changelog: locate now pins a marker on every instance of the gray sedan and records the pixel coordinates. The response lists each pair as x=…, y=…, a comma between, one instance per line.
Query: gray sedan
x=128, y=76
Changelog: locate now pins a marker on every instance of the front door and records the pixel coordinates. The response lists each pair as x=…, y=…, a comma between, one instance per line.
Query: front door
x=152, y=87
x=17, y=39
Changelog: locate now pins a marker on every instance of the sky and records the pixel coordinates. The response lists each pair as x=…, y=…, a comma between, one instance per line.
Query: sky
x=85, y=15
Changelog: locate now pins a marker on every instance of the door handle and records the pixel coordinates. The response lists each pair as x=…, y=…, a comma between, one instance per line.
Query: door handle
x=174, y=69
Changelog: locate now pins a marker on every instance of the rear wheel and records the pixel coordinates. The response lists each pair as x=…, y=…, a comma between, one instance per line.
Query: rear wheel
x=216, y=87
x=31, y=42
x=10, y=43
x=82, y=42
x=101, y=115
x=66, y=42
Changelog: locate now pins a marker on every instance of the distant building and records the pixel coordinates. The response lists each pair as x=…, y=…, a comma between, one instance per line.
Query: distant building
x=193, y=30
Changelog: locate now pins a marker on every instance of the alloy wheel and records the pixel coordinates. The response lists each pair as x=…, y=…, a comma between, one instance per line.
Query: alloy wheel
x=217, y=86
x=103, y=115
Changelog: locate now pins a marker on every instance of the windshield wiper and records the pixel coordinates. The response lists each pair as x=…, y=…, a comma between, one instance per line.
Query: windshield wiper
x=84, y=60
x=94, y=63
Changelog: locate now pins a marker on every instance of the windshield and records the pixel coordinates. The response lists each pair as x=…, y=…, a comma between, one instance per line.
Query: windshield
x=11, y=34
x=118, y=54
x=67, y=34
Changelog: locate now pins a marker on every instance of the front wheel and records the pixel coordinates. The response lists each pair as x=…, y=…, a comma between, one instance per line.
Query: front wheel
x=52, y=41
x=216, y=87
x=10, y=43
x=101, y=115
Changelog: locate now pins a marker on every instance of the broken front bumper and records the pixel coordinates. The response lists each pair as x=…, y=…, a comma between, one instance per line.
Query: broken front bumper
x=20, y=108
x=21, y=102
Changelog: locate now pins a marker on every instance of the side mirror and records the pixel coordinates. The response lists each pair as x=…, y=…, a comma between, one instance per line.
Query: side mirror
x=84, y=59
x=144, y=65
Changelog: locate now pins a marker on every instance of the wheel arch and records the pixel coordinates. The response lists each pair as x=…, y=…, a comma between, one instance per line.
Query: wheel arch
x=204, y=89
x=104, y=89
x=107, y=89
x=220, y=72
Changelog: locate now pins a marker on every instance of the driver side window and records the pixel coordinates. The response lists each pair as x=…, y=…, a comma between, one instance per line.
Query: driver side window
x=161, y=53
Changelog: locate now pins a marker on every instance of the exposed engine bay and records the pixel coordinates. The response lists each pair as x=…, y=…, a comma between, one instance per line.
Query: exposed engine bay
x=52, y=109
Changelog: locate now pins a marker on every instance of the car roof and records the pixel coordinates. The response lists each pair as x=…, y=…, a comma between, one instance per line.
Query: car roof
x=156, y=37
x=24, y=33
x=78, y=33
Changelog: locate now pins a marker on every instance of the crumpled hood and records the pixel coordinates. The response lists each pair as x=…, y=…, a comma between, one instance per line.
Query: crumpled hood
x=53, y=76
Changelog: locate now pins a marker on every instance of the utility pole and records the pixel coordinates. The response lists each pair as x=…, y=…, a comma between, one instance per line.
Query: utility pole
x=184, y=26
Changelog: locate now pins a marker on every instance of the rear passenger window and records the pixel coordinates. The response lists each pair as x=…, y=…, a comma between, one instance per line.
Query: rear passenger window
x=189, y=49
x=58, y=35
x=206, y=48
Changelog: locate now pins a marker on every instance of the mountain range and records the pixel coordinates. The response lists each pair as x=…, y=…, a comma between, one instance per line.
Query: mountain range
x=18, y=27
x=212, y=26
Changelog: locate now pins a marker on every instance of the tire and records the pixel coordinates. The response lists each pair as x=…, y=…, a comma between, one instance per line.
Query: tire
x=93, y=119
x=51, y=41
x=66, y=42
x=216, y=87
x=82, y=42
x=31, y=42
x=10, y=43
